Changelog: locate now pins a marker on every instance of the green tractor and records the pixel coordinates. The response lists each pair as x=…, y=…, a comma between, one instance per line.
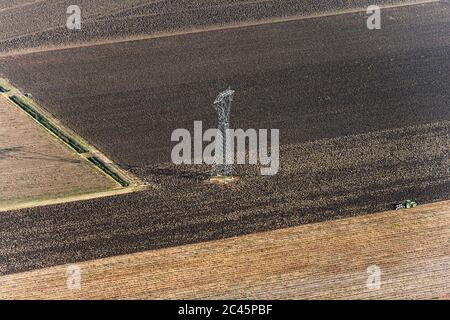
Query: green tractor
x=407, y=204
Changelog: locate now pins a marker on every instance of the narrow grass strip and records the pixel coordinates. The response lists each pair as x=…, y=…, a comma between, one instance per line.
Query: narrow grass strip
x=101, y=165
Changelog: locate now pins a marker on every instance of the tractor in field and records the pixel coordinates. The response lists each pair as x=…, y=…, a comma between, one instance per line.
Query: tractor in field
x=407, y=204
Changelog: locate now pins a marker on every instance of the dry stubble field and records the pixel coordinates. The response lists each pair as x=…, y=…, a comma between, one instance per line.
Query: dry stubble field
x=36, y=167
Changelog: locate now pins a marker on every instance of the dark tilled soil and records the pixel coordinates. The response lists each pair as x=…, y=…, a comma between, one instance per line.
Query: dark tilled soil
x=363, y=119
x=319, y=180
x=26, y=24
x=311, y=79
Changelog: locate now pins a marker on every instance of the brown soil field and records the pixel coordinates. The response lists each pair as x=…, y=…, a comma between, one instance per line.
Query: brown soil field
x=363, y=119
x=184, y=209
x=30, y=24
x=326, y=260
x=35, y=167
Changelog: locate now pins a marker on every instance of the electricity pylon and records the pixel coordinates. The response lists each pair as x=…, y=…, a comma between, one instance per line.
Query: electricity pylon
x=223, y=159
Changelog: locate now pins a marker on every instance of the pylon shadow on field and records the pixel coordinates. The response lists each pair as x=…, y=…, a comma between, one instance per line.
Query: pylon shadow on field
x=19, y=153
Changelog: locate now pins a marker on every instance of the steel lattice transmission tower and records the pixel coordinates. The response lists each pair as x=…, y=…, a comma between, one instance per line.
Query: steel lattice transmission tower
x=222, y=105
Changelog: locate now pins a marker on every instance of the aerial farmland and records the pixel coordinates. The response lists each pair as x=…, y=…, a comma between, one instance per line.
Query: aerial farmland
x=87, y=125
